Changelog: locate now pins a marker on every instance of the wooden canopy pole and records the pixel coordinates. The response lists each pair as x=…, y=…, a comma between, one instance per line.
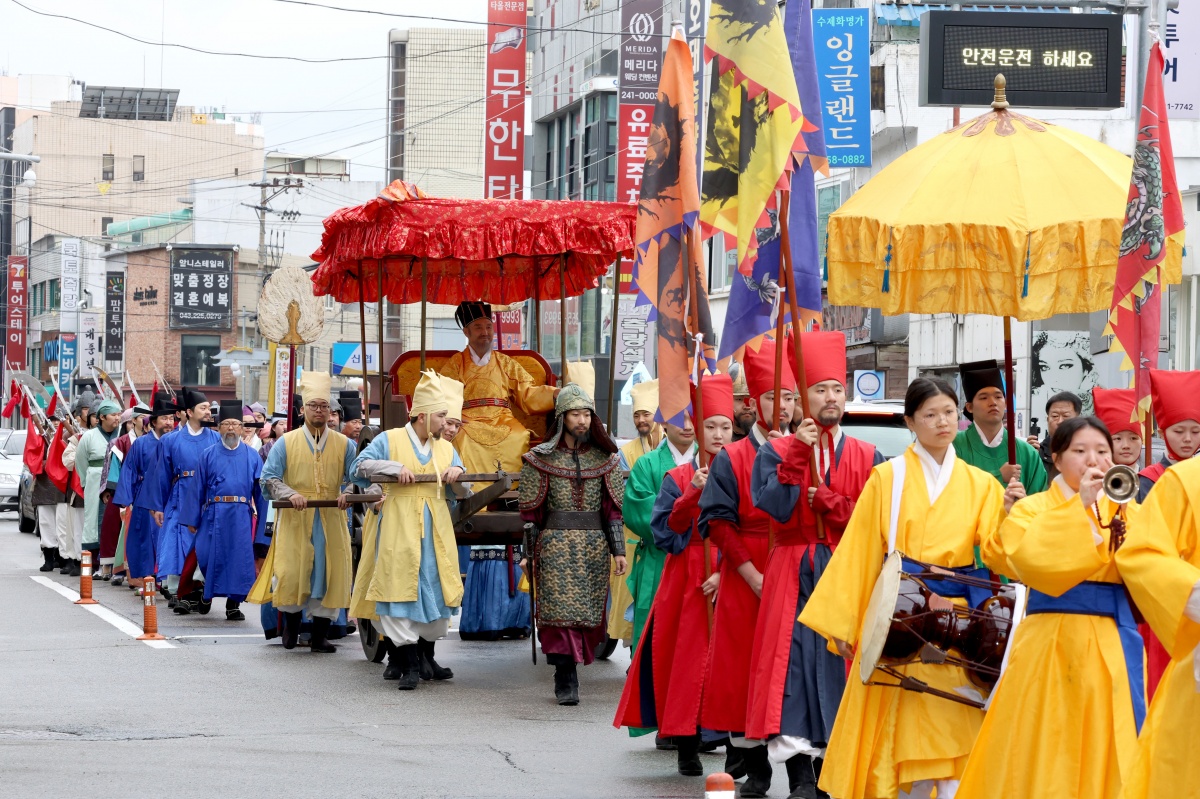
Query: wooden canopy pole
x=788, y=287
x=698, y=410
x=362, y=338
x=562, y=312
x=383, y=392
x=1011, y=415
x=424, y=304
x=612, y=344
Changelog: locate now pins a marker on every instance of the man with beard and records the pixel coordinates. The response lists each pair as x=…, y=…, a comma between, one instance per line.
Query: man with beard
x=744, y=413
x=225, y=510
x=642, y=489
x=571, y=492
x=308, y=565
x=740, y=530
x=984, y=444
x=408, y=575
x=137, y=476
x=649, y=438
x=796, y=683
x=179, y=453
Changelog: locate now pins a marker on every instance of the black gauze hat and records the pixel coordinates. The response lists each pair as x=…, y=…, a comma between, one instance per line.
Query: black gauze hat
x=468, y=312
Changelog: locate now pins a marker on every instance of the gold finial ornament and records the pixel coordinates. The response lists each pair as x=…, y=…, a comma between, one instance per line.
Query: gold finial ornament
x=1001, y=101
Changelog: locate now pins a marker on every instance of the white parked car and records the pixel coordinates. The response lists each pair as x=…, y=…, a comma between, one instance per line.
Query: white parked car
x=11, y=465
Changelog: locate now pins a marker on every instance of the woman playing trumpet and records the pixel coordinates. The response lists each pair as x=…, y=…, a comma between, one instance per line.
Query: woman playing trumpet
x=1065, y=715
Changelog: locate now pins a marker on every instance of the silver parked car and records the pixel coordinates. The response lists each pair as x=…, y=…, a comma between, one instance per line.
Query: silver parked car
x=11, y=466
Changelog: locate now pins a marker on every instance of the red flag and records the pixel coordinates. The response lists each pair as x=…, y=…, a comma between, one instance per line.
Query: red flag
x=52, y=408
x=35, y=447
x=1152, y=241
x=12, y=401
x=54, y=465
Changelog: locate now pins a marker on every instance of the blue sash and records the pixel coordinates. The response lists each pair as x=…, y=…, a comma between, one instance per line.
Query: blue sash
x=1109, y=600
x=975, y=595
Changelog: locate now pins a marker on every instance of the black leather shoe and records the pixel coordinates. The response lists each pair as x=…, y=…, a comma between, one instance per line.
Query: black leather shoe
x=758, y=773
x=410, y=663
x=49, y=555
x=233, y=612
x=430, y=670
x=566, y=684
x=688, y=756
x=802, y=777
x=291, y=630
x=76, y=569
x=320, y=632
x=735, y=761
x=666, y=744
x=393, y=670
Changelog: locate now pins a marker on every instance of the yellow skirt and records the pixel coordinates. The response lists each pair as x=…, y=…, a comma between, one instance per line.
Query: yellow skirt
x=1168, y=758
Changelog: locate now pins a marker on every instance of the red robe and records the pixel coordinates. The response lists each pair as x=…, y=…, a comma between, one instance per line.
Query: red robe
x=1157, y=657
x=666, y=680
x=818, y=677
x=728, y=516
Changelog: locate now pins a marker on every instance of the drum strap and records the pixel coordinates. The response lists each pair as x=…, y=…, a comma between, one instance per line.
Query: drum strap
x=1109, y=600
x=899, y=472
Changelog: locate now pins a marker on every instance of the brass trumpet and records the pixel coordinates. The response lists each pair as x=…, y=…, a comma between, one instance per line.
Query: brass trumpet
x=1120, y=484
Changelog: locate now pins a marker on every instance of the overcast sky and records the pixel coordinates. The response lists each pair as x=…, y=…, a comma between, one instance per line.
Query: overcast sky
x=307, y=108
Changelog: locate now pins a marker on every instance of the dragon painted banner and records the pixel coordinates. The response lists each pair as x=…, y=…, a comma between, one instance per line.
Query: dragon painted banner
x=754, y=121
x=1151, y=242
x=668, y=263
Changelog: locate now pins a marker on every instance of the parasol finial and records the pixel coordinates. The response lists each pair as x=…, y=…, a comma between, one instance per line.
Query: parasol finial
x=1001, y=101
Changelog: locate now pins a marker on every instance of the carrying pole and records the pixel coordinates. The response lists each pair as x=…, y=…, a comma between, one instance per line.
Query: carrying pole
x=562, y=313
x=612, y=345
x=362, y=340
x=383, y=392
x=698, y=411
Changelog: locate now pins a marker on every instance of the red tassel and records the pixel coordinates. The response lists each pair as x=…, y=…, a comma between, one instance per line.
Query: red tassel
x=52, y=408
x=25, y=407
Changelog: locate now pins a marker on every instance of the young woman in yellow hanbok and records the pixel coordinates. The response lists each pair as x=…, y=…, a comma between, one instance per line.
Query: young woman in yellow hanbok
x=1160, y=562
x=1064, y=717
x=933, y=508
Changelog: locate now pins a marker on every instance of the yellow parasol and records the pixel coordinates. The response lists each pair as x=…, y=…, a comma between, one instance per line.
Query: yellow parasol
x=1003, y=215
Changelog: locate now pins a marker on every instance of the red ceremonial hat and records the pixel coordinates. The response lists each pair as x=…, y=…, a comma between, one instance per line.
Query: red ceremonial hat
x=716, y=391
x=1175, y=397
x=1115, y=407
x=824, y=356
x=760, y=370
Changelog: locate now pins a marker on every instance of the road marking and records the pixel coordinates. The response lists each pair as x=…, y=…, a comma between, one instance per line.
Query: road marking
x=220, y=635
x=116, y=620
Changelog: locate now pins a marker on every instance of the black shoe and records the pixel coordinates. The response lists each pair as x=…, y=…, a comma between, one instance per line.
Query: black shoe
x=394, y=669
x=708, y=747
x=688, y=756
x=182, y=607
x=320, y=633
x=758, y=773
x=735, y=761
x=291, y=629
x=802, y=772
x=233, y=611
x=172, y=602
x=430, y=670
x=566, y=684
x=48, y=555
x=203, y=607
x=664, y=744
x=410, y=665
x=65, y=568
x=76, y=568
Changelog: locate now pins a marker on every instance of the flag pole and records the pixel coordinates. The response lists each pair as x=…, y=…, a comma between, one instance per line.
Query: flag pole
x=698, y=410
x=788, y=287
x=612, y=343
x=1011, y=420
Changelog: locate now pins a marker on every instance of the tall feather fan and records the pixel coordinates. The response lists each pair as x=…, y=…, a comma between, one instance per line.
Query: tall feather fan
x=288, y=312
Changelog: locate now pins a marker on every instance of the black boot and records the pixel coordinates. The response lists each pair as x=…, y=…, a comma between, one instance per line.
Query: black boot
x=688, y=755
x=802, y=777
x=664, y=744
x=320, y=632
x=291, y=629
x=182, y=607
x=49, y=555
x=65, y=568
x=393, y=670
x=758, y=773
x=735, y=761
x=233, y=611
x=410, y=664
x=430, y=670
x=76, y=568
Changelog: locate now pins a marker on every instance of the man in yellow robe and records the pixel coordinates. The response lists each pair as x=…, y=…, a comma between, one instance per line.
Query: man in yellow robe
x=1160, y=564
x=493, y=384
x=412, y=577
x=649, y=437
x=308, y=566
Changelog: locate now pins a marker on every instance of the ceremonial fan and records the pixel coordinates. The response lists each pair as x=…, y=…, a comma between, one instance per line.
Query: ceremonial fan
x=289, y=314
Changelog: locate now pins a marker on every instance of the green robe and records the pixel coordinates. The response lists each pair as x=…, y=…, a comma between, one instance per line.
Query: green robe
x=89, y=462
x=645, y=571
x=969, y=446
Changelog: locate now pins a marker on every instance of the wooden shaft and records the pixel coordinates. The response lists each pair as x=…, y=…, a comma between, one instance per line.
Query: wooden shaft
x=1147, y=433
x=788, y=286
x=362, y=338
x=291, y=417
x=612, y=345
x=383, y=392
x=562, y=312
x=424, y=305
x=1011, y=412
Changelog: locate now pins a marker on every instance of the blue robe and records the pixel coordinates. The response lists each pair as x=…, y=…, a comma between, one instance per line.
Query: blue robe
x=273, y=469
x=179, y=456
x=225, y=531
x=430, y=605
x=133, y=488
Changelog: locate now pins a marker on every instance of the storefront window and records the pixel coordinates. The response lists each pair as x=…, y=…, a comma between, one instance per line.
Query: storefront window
x=196, y=366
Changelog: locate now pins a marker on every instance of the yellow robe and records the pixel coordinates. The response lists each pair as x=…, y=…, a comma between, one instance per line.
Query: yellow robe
x=885, y=739
x=1061, y=720
x=491, y=432
x=290, y=559
x=1160, y=563
x=392, y=575
x=621, y=598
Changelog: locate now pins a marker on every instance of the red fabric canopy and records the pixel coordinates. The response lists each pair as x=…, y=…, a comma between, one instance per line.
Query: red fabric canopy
x=498, y=251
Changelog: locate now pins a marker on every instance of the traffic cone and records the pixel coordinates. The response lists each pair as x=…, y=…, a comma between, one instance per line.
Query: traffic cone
x=85, y=581
x=718, y=786
x=149, y=614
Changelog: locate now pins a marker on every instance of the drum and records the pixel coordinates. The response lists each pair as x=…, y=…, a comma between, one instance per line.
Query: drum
x=906, y=622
